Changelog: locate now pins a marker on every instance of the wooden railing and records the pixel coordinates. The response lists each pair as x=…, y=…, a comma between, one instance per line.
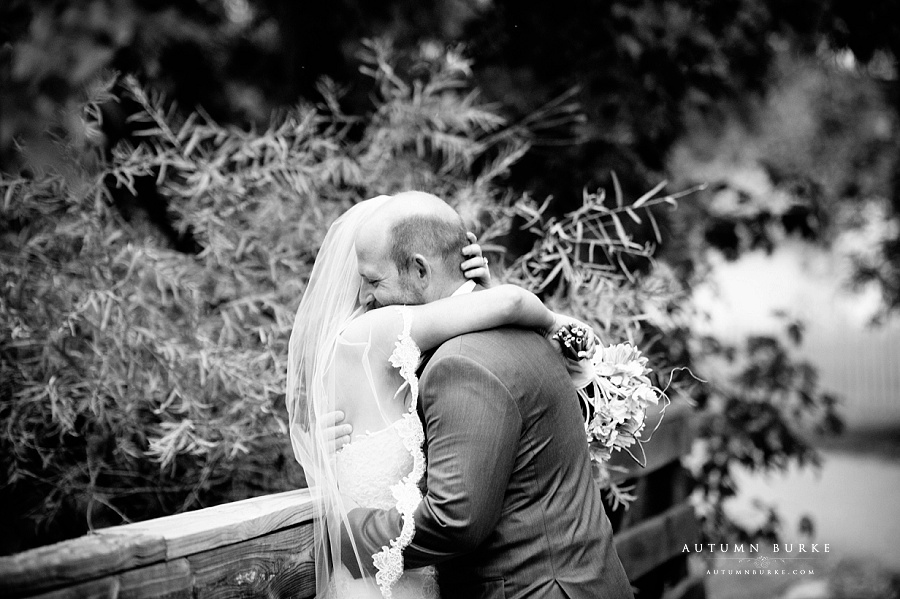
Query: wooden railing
x=261, y=547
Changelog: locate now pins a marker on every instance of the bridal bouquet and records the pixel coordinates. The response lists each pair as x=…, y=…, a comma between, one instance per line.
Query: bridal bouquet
x=615, y=390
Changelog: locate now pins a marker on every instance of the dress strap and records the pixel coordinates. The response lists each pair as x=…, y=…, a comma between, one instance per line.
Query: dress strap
x=406, y=356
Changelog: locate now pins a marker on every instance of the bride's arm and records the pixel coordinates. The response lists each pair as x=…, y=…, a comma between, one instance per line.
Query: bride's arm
x=435, y=322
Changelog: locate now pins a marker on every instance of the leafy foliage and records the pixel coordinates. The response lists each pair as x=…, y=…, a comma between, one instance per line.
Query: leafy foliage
x=142, y=373
x=760, y=410
x=644, y=73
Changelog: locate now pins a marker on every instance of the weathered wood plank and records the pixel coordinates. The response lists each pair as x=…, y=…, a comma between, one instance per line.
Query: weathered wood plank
x=667, y=486
x=76, y=560
x=193, y=532
x=276, y=565
x=655, y=540
x=168, y=580
x=102, y=588
x=669, y=442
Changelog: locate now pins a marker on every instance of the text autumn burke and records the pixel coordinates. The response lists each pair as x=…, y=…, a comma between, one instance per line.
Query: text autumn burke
x=754, y=548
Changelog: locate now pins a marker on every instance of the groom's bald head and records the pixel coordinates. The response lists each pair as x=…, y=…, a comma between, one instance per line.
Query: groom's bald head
x=417, y=237
x=425, y=224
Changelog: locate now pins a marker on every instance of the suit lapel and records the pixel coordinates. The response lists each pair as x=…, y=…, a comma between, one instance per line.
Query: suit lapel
x=423, y=482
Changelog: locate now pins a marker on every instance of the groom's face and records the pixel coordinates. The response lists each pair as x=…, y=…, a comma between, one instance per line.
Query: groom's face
x=382, y=283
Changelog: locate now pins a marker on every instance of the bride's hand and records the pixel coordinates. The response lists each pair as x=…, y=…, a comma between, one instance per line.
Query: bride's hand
x=577, y=343
x=574, y=339
x=475, y=266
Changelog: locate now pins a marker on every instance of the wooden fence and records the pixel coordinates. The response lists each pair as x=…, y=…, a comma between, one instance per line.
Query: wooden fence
x=261, y=547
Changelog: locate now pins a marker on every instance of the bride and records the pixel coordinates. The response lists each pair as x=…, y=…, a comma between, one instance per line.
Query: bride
x=344, y=356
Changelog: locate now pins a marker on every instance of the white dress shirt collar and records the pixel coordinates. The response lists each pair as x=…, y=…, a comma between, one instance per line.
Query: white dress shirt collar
x=466, y=287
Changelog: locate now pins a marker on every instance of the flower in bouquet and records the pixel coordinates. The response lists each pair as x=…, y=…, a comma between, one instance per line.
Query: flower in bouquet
x=614, y=386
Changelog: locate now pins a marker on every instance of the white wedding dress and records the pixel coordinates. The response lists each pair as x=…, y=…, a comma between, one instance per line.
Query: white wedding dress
x=382, y=470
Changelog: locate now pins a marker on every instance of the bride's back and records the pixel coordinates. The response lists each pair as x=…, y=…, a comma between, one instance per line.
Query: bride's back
x=368, y=388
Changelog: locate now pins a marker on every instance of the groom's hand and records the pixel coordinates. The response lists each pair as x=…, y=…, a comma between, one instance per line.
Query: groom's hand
x=333, y=431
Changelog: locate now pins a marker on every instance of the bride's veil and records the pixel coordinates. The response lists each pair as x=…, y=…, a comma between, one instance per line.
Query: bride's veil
x=329, y=302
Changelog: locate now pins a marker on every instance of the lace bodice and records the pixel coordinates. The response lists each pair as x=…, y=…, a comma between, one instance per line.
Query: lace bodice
x=371, y=465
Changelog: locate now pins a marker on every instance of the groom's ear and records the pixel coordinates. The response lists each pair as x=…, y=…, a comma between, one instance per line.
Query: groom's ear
x=421, y=269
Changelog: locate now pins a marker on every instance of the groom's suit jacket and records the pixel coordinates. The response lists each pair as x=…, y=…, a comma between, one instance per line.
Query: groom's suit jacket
x=510, y=510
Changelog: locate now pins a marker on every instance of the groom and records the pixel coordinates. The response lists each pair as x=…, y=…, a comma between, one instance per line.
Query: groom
x=510, y=509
